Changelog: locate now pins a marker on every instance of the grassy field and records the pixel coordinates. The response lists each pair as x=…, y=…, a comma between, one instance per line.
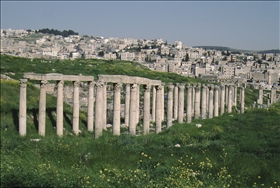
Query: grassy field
x=232, y=150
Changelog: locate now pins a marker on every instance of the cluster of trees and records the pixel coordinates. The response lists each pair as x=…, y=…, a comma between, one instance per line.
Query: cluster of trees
x=64, y=33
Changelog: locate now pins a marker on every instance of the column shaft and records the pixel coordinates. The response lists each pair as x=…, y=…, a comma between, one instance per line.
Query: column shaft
x=229, y=99
x=22, y=107
x=226, y=97
x=260, y=95
x=210, y=107
x=90, y=107
x=117, y=109
x=42, y=108
x=99, y=109
x=146, y=118
x=76, y=107
x=158, y=108
x=59, y=108
x=242, y=94
x=162, y=100
x=216, y=101
x=154, y=104
x=222, y=100
x=175, y=106
x=203, y=102
x=104, y=120
x=137, y=103
x=169, y=104
x=181, y=103
x=132, y=109
x=189, y=103
x=197, y=102
x=127, y=100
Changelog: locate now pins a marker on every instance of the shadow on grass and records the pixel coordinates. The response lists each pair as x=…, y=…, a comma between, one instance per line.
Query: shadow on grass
x=15, y=118
x=50, y=115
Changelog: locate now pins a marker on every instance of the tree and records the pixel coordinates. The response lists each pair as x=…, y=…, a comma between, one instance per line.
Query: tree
x=101, y=54
x=187, y=57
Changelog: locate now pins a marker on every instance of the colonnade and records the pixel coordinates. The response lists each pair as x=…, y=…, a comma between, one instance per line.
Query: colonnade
x=200, y=101
x=272, y=99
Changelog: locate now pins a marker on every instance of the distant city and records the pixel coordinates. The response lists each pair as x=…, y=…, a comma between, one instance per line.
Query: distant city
x=212, y=64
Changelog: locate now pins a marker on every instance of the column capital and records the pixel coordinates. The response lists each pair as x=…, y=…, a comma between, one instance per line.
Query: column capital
x=133, y=87
x=222, y=87
x=181, y=87
x=60, y=83
x=43, y=83
x=177, y=84
x=211, y=86
x=158, y=87
x=117, y=86
x=99, y=85
x=170, y=87
x=23, y=82
x=197, y=87
x=216, y=87
x=90, y=84
x=147, y=88
x=76, y=84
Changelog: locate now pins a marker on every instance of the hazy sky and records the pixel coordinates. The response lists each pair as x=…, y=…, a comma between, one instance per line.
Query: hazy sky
x=243, y=25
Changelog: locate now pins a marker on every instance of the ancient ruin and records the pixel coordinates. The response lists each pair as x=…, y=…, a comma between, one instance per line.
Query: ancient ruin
x=184, y=102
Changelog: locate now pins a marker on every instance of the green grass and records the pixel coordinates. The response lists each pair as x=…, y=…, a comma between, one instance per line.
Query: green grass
x=87, y=67
x=242, y=150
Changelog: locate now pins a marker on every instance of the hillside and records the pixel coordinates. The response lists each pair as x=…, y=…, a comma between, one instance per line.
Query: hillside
x=16, y=66
x=232, y=150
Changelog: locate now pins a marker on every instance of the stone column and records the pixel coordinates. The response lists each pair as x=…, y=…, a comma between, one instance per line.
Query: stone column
x=170, y=87
x=207, y=99
x=90, y=106
x=42, y=108
x=242, y=94
x=162, y=101
x=222, y=100
x=216, y=101
x=189, y=103
x=260, y=95
x=59, y=108
x=235, y=95
x=181, y=103
x=229, y=99
x=117, y=109
x=127, y=100
x=146, y=118
x=193, y=99
x=272, y=95
x=203, y=102
x=175, y=106
x=158, y=108
x=210, y=106
x=76, y=107
x=137, y=103
x=197, y=102
x=154, y=104
x=104, y=120
x=99, y=109
x=22, y=107
x=226, y=93
x=132, y=109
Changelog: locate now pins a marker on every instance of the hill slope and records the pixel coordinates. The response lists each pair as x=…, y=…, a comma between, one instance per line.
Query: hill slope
x=241, y=150
x=16, y=66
